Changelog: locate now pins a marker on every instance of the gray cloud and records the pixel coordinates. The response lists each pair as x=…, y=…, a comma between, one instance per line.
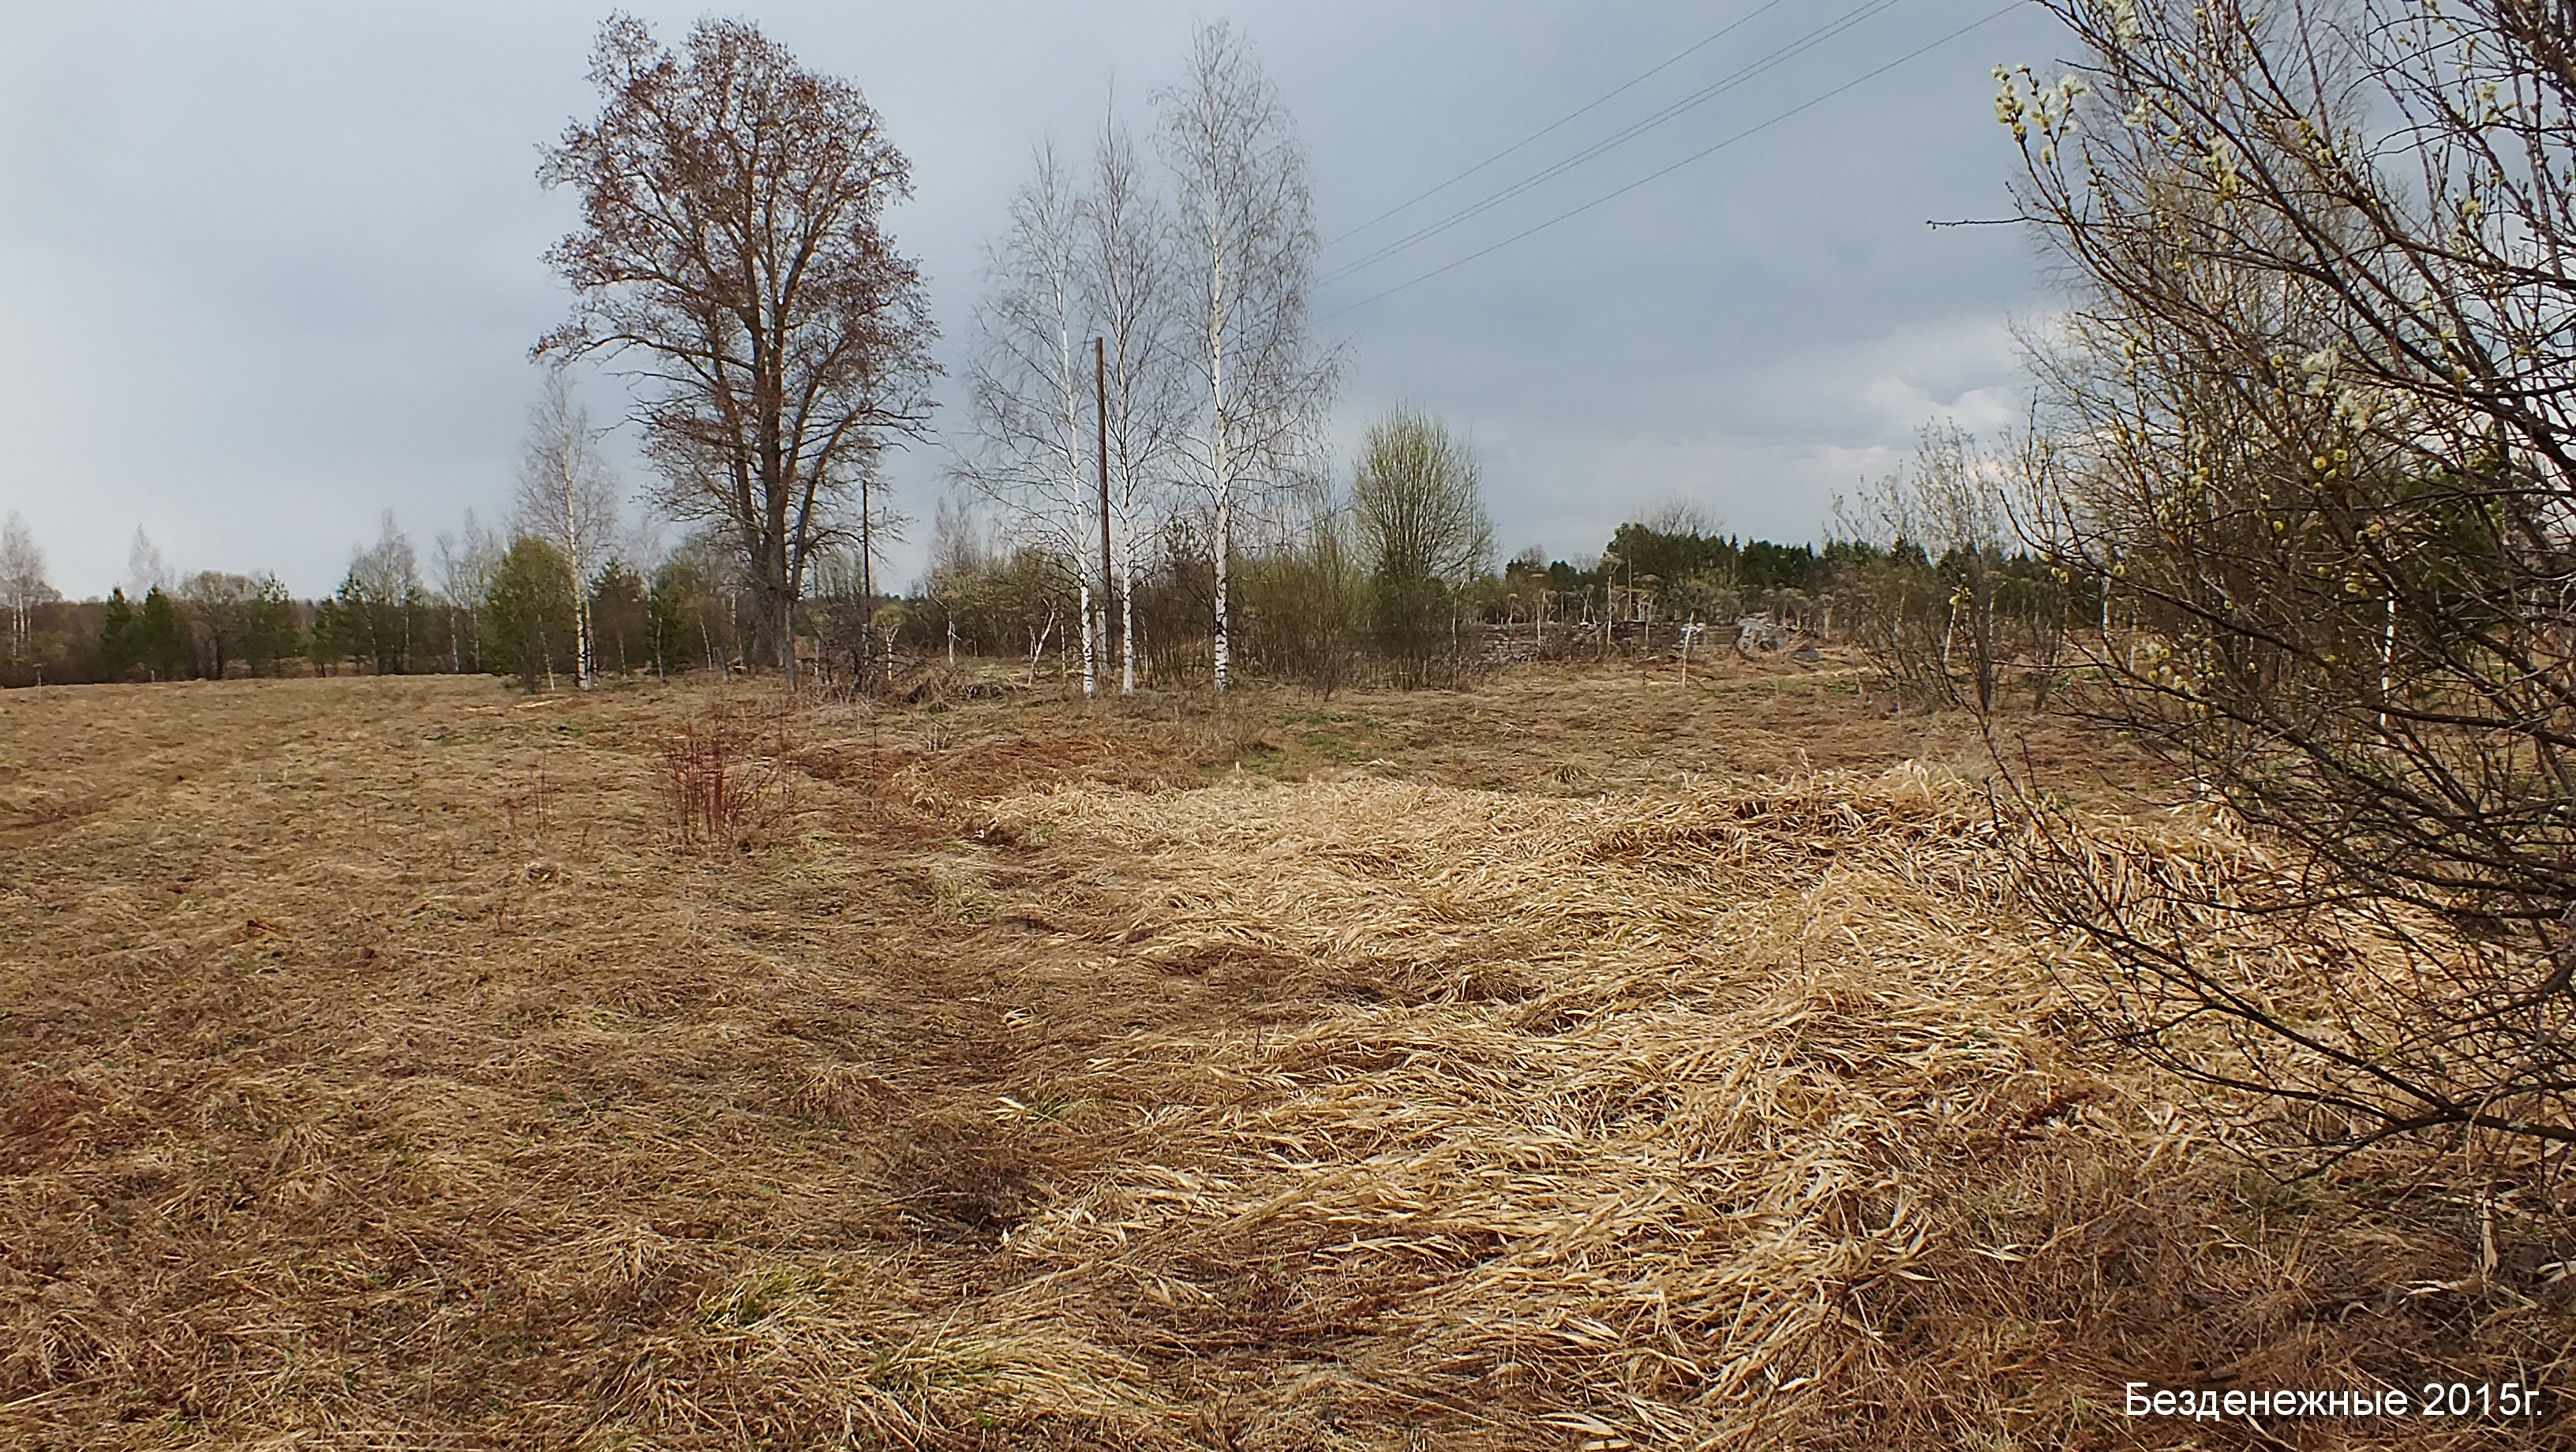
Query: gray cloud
x=267, y=272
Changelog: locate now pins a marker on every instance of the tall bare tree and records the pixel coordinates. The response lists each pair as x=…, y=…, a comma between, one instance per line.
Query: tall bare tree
x=146, y=568
x=1244, y=245
x=568, y=498
x=732, y=245
x=378, y=598
x=466, y=561
x=23, y=585
x=1029, y=450
x=1918, y=619
x=1125, y=273
x=215, y=615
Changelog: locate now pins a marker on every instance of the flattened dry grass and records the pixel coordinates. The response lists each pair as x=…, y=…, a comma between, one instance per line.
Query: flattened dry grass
x=379, y=1067
x=1740, y=1117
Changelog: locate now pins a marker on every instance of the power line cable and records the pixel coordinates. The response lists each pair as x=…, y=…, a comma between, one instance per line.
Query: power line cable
x=1847, y=20
x=1660, y=172
x=1807, y=42
x=1561, y=122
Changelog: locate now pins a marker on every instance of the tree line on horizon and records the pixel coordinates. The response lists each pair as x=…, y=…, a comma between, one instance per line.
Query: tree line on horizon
x=504, y=604
x=1323, y=606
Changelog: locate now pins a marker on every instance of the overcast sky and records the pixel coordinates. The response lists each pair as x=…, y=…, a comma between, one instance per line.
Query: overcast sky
x=269, y=270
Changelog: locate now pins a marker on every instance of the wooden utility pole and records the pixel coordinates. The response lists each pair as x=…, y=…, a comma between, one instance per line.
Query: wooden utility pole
x=867, y=593
x=1108, y=583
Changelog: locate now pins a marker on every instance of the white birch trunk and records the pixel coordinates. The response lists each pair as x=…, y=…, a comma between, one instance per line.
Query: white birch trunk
x=1127, y=627
x=1090, y=677
x=573, y=542
x=1220, y=466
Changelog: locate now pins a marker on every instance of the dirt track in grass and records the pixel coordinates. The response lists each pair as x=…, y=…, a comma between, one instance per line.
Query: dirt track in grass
x=1498, y=1069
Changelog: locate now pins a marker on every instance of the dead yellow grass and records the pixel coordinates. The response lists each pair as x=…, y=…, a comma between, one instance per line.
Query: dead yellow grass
x=1735, y=1118
x=381, y=1068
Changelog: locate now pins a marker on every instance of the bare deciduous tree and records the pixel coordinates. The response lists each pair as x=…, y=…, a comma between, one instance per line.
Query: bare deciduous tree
x=146, y=568
x=215, y=610
x=23, y=585
x=733, y=244
x=1029, y=450
x=1078, y=323
x=568, y=498
x=466, y=562
x=1944, y=626
x=378, y=597
x=1244, y=256
x=1125, y=274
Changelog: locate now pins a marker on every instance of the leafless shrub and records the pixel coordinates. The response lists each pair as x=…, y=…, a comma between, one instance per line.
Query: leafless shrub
x=2354, y=1016
x=533, y=805
x=2315, y=448
x=725, y=790
x=1944, y=596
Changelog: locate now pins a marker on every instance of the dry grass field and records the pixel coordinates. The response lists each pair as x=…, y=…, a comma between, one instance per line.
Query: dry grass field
x=1592, y=1060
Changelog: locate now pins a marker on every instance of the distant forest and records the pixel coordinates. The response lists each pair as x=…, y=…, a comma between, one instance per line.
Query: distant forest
x=505, y=606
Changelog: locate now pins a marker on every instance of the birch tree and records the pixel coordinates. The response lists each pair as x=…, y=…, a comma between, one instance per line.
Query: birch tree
x=568, y=498
x=1028, y=395
x=23, y=585
x=1125, y=275
x=377, y=598
x=466, y=562
x=146, y=568
x=1244, y=245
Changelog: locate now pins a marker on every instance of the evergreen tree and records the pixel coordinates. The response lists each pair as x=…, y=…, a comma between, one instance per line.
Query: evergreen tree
x=528, y=618
x=116, y=637
x=159, y=647
x=666, y=621
x=328, y=645
x=270, y=630
x=617, y=620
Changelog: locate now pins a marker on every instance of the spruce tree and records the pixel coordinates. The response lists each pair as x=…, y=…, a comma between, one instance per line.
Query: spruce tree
x=617, y=620
x=666, y=621
x=158, y=644
x=328, y=645
x=116, y=637
x=528, y=617
x=270, y=630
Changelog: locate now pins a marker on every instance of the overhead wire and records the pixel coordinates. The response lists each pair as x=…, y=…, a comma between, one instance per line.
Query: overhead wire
x=1561, y=122
x=1866, y=10
x=1802, y=107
